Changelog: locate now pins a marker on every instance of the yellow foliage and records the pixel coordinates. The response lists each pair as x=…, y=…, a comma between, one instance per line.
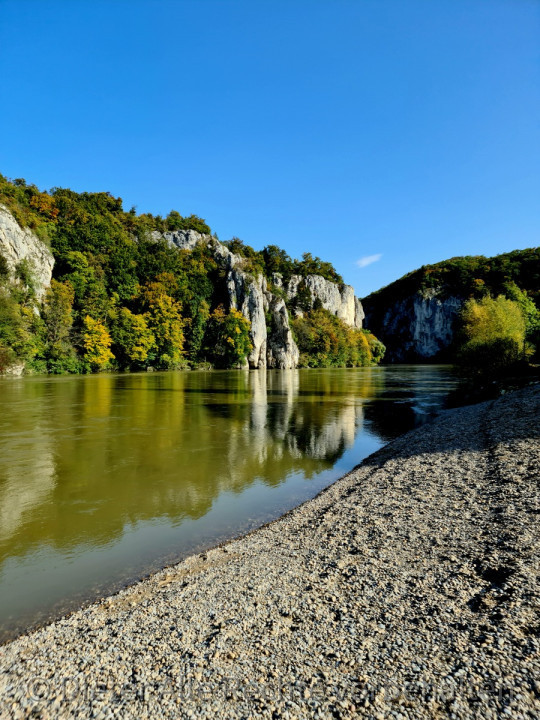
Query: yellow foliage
x=96, y=341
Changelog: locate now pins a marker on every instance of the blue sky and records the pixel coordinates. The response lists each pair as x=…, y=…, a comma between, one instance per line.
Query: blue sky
x=394, y=132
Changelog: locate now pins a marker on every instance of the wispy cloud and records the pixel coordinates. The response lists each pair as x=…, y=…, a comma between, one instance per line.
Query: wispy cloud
x=368, y=259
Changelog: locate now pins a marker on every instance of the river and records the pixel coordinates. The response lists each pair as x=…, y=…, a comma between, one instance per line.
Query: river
x=104, y=478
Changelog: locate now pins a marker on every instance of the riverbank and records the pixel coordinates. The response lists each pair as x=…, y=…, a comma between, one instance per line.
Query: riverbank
x=408, y=589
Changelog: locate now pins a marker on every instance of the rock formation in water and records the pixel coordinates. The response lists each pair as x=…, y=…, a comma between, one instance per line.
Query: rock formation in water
x=18, y=244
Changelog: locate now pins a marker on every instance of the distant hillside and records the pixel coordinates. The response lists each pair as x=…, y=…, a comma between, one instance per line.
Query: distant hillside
x=415, y=315
x=132, y=291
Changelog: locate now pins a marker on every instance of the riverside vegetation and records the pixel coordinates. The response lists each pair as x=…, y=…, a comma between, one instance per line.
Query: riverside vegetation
x=122, y=297
x=469, y=308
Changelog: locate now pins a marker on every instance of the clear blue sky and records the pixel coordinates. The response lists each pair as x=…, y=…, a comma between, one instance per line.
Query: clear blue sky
x=405, y=129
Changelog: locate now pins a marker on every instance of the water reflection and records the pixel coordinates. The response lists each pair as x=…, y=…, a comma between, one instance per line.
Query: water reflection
x=105, y=477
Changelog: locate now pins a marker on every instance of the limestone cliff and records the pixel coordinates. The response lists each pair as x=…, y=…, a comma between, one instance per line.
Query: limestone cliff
x=273, y=346
x=17, y=244
x=340, y=300
x=417, y=327
x=271, y=335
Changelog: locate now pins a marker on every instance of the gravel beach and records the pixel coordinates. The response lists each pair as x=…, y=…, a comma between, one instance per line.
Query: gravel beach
x=408, y=589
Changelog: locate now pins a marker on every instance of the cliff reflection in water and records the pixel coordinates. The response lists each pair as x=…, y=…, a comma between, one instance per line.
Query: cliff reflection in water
x=101, y=477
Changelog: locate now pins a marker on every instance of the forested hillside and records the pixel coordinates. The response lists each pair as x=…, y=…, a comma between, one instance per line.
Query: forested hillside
x=123, y=297
x=467, y=276
x=421, y=315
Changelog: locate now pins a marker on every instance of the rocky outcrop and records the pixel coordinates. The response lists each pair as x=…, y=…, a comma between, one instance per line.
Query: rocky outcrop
x=282, y=351
x=273, y=343
x=270, y=334
x=340, y=300
x=247, y=295
x=416, y=328
x=18, y=244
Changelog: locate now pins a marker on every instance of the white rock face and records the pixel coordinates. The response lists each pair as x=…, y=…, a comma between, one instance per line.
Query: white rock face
x=252, y=298
x=432, y=328
x=359, y=314
x=282, y=351
x=183, y=239
x=248, y=296
x=419, y=327
x=337, y=299
x=18, y=244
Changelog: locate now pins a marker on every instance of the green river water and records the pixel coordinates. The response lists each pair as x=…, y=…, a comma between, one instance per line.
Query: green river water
x=105, y=478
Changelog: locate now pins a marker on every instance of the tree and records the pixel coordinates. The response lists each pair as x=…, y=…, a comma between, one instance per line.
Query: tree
x=58, y=318
x=97, y=343
x=197, y=329
x=324, y=340
x=276, y=260
x=86, y=277
x=531, y=315
x=492, y=335
x=228, y=334
x=133, y=341
x=164, y=319
x=303, y=299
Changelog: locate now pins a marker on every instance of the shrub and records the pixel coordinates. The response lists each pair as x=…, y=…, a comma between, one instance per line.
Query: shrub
x=492, y=335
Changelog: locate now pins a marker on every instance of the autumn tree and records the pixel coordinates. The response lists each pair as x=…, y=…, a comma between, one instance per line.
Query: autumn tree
x=96, y=342
x=164, y=319
x=58, y=319
x=492, y=334
x=133, y=341
x=228, y=335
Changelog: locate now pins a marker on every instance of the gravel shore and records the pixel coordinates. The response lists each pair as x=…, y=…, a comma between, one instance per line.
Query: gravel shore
x=408, y=589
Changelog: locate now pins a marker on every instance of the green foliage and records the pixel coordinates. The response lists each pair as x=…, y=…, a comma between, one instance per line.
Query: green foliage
x=122, y=296
x=19, y=324
x=24, y=272
x=324, y=340
x=492, y=335
x=228, y=338
x=310, y=265
x=196, y=331
x=133, y=341
x=531, y=316
x=16, y=337
x=86, y=276
x=174, y=221
x=252, y=260
x=304, y=299
x=57, y=352
x=4, y=269
x=276, y=260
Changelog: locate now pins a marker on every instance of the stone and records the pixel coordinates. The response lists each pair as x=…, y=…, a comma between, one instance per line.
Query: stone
x=282, y=351
x=17, y=243
x=337, y=299
x=415, y=328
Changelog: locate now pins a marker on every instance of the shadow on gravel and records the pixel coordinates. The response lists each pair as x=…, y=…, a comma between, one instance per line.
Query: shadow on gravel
x=470, y=428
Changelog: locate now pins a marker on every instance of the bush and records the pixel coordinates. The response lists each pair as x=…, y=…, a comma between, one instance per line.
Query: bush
x=228, y=342
x=326, y=341
x=492, y=335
